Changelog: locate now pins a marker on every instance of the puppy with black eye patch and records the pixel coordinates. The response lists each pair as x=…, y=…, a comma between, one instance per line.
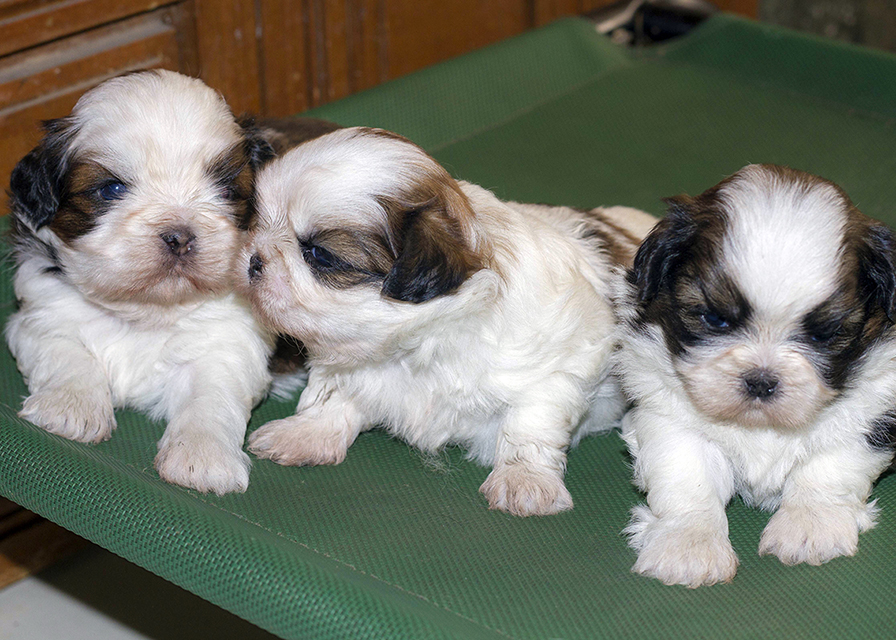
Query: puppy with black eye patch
x=757, y=344
x=126, y=220
x=437, y=311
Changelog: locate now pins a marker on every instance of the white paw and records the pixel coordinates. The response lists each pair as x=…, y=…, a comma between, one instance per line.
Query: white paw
x=682, y=550
x=815, y=534
x=300, y=441
x=524, y=491
x=82, y=414
x=203, y=462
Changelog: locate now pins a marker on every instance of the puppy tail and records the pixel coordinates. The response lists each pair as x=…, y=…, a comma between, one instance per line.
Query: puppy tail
x=286, y=385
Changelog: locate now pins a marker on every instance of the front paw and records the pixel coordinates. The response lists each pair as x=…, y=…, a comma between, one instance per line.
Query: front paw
x=203, y=462
x=684, y=551
x=81, y=414
x=299, y=441
x=815, y=534
x=523, y=491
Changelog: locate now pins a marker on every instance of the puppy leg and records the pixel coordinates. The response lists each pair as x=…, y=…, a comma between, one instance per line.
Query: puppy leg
x=530, y=460
x=325, y=425
x=202, y=447
x=70, y=395
x=682, y=535
x=824, y=507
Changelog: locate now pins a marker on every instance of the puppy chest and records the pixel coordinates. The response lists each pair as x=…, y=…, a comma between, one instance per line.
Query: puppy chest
x=761, y=463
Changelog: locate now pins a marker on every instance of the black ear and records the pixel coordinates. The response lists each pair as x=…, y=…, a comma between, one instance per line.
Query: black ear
x=664, y=248
x=258, y=148
x=433, y=257
x=38, y=180
x=877, y=268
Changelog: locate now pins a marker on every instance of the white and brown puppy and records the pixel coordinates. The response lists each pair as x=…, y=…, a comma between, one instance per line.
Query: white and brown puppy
x=758, y=348
x=434, y=309
x=126, y=220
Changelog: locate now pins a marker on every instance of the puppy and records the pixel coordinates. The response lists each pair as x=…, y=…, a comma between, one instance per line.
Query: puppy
x=126, y=220
x=757, y=344
x=432, y=308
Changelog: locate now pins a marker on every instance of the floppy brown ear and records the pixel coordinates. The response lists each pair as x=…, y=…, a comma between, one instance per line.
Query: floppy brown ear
x=433, y=255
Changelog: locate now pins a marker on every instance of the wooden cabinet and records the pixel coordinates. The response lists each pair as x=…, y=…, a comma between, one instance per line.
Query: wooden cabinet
x=270, y=57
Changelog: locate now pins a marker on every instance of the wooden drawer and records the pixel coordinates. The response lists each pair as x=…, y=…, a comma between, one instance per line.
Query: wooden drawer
x=45, y=82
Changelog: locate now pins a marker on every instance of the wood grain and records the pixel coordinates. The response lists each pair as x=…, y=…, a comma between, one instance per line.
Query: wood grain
x=28, y=543
x=26, y=24
x=45, y=82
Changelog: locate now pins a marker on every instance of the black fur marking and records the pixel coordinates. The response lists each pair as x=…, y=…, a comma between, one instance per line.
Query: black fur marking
x=882, y=434
x=37, y=183
x=834, y=337
x=258, y=150
x=877, y=267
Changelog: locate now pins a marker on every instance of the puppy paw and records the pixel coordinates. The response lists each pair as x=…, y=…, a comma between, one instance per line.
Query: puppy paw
x=299, y=441
x=814, y=534
x=81, y=414
x=523, y=491
x=680, y=550
x=204, y=463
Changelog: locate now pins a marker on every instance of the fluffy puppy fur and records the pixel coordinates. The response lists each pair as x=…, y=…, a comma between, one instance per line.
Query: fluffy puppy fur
x=432, y=308
x=126, y=220
x=757, y=344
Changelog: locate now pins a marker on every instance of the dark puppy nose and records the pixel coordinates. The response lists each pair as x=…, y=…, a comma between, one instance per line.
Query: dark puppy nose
x=760, y=383
x=179, y=240
x=256, y=266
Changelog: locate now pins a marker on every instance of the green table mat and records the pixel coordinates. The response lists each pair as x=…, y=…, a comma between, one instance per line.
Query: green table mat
x=396, y=544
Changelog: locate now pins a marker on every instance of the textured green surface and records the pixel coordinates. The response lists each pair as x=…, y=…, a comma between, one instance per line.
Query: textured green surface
x=395, y=544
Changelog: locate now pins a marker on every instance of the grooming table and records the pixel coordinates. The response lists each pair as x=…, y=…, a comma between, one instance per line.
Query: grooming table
x=393, y=543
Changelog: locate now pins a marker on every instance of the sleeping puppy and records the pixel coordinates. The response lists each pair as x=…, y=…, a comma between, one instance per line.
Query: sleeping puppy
x=433, y=309
x=758, y=347
x=126, y=220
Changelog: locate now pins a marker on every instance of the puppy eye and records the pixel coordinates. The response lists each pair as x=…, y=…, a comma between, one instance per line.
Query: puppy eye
x=318, y=257
x=714, y=320
x=823, y=336
x=113, y=191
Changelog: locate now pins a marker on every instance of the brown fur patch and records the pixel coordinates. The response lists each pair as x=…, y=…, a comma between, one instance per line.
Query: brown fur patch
x=618, y=243
x=285, y=133
x=233, y=174
x=81, y=205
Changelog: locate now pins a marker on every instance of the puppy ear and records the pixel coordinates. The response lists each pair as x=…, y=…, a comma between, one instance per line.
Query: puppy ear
x=433, y=257
x=37, y=183
x=877, y=268
x=258, y=148
x=664, y=248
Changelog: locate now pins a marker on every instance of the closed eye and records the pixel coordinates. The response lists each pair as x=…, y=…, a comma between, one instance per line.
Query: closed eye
x=824, y=334
x=319, y=258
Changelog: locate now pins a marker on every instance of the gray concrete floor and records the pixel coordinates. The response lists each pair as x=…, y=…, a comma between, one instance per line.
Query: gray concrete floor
x=95, y=595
